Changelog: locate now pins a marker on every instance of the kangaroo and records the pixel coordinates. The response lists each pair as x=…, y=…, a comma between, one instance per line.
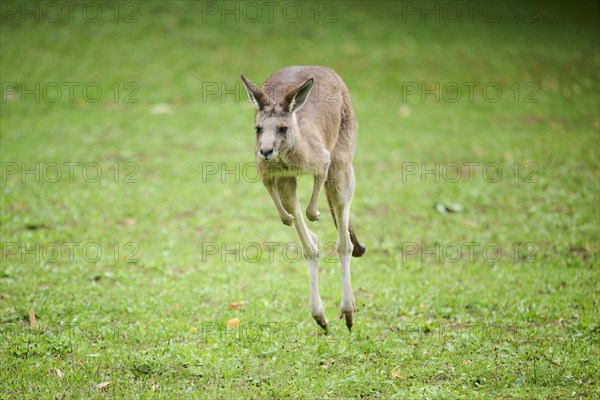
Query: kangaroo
x=305, y=125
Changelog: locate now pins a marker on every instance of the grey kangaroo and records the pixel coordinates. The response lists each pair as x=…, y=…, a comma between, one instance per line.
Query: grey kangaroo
x=305, y=125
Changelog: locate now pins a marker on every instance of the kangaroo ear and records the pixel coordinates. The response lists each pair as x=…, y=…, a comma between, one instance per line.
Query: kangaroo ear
x=296, y=98
x=257, y=97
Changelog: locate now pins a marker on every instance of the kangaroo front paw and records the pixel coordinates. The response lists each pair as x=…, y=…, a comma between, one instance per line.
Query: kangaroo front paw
x=287, y=219
x=312, y=215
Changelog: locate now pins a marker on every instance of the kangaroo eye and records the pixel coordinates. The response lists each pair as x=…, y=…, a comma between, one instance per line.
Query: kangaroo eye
x=282, y=129
x=258, y=129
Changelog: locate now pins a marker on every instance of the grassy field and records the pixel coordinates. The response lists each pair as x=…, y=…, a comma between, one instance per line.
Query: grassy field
x=134, y=232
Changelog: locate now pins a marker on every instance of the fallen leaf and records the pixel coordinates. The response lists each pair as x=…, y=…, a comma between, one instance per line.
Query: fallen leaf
x=557, y=361
x=32, y=318
x=236, y=306
x=327, y=363
x=233, y=323
x=103, y=385
x=56, y=371
x=394, y=374
x=162, y=108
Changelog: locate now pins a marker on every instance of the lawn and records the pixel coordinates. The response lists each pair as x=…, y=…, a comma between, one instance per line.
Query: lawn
x=141, y=258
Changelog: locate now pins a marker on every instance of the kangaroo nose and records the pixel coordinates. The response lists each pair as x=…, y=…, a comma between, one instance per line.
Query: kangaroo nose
x=266, y=153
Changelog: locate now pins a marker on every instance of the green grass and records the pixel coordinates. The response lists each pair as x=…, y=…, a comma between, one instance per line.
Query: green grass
x=178, y=245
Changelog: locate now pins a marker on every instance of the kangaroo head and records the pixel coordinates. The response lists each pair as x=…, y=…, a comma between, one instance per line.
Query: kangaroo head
x=275, y=122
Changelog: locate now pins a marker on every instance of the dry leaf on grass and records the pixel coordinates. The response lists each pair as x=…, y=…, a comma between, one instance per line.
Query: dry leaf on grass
x=327, y=363
x=395, y=374
x=233, y=323
x=236, y=305
x=32, y=318
x=56, y=371
x=103, y=385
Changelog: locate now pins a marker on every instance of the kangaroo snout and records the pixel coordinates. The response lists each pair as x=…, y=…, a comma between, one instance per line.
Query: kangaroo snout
x=266, y=153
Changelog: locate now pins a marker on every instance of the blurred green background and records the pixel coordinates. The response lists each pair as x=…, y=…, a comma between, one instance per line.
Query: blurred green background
x=147, y=94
